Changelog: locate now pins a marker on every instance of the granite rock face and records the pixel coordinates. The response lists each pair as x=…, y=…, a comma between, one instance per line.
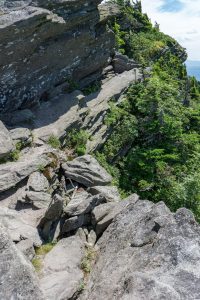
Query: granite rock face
x=87, y=171
x=148, y=253
x=6, y=143
x=17, y=277
x=47, y=43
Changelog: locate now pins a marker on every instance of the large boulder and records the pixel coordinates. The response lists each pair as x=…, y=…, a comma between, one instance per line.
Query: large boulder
x=18, y=227
x=82, y=203
x=38, y=182
x=38, y=200
x=14, y=172
x=87, y=171
x=148, y=253
x=62, y=276
x=17, y=276
x=110, y=193
x=6, y=143
x=21, y=135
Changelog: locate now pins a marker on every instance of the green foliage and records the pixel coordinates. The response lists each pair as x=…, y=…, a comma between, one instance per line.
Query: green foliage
x=77, y=140
x=54, y=142
x=44, y=249
x=37, y=263
x=92, y=88
x=154, y=142
x=86, y=263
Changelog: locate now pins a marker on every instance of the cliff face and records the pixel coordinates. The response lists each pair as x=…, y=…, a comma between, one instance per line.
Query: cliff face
x=46, y=43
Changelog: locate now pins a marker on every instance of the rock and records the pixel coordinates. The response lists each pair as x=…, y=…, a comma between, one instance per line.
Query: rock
x=107, y=220
x=67, y=38
x=38, y=182
x=87, y=171
x=50, y=225
x=39, y=200
x=122, y=63
x=148, y=253
x=81, y=234
x=101, y=211
x=75, y=223
x=110, y=193
x=14, y=172
x=17, y=277
x=21, y=135
x=62, y=274
x=26, y=247
x=92, y=237
x=19, y=228
x=6, y=143
x=82, y=203
x=56, y=208
x=98, y=106
x=64, y=111
x=18, y=118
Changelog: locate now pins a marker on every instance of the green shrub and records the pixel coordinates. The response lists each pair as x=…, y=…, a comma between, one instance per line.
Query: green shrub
x=77, y=140
x=54, y=142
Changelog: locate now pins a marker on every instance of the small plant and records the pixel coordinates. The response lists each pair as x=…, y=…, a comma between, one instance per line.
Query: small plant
x=72, y=86
x=86, y=263
x=41, y=168
x=54, y=142
x=77, y=140
x=44, y=249
x=92, y=88
x=37, y=263
x=81, y=286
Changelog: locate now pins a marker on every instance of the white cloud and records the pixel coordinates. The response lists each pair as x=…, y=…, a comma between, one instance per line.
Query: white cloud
x=184, y=25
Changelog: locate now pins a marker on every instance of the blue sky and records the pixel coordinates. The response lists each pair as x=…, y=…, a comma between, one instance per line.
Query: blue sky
x=180, y=19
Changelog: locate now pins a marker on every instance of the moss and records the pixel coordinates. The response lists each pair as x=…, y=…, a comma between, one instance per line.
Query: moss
x=37, y=263
x=86, y=263
x=44, y=249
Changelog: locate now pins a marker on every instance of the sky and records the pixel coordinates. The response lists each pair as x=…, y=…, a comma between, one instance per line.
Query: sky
x=180, y=19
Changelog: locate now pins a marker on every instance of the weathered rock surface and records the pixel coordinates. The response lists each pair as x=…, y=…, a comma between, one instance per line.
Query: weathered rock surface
x=21, y=135
x=6, y=143
x=110, y=193
x=106, y=214
x=38, y=182
x=65, y=111
x=75, y=223
x=62, y=274
x=26, y=247
x=66, y=36
x=83, y=203
x=87, y=171
x=19, y=228
x=17, y=277
x=101, y=211
x=39, y=200
x=13, y=172
x=122, y=63
x=148, y=253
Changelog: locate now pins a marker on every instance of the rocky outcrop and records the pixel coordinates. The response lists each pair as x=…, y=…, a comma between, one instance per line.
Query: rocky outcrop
x=6, y=143
x=12, y=173
x=48, y=43
x=134, y=249
x=17, y=277
x=87, y=171
x=62, y=275
x=148, y=253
